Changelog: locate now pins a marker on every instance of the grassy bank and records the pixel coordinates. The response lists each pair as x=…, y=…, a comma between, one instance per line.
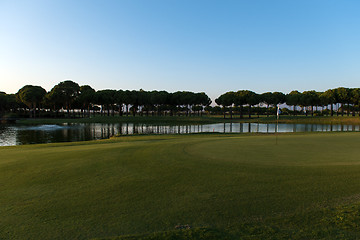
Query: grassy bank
x=197, y=120
x=350, y=120
x=224, y=186
x=125, y=119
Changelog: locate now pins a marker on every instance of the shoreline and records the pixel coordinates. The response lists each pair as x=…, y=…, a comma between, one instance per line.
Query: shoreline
x=350, y=120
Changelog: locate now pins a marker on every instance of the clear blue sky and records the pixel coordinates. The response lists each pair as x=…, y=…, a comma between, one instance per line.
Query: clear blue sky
x=211, y=46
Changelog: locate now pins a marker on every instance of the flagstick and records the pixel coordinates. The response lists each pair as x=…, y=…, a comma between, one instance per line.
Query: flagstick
x=277, y=124
x=277, y=129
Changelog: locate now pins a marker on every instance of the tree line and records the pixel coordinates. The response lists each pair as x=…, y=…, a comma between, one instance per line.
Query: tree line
x=74, y=100
x=69, y=99
x=340, y=99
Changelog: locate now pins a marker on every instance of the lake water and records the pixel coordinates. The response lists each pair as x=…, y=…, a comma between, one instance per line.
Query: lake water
x=25, y=134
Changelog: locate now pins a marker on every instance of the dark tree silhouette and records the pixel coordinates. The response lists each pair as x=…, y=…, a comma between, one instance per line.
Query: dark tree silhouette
x=226, y=100
x=293, y=98
x=31, y=96
x=87, y=97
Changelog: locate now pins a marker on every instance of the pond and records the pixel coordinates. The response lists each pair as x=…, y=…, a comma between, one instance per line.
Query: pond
x=15, y=134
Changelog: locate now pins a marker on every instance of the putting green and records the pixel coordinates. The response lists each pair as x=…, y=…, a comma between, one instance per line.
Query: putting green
x=145, y=184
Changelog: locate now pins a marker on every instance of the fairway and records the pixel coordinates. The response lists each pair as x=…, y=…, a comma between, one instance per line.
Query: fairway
x=305, y=186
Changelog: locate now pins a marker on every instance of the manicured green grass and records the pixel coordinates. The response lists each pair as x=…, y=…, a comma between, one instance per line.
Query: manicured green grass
x=126, y=119
x=224, y=186
x=174, y=120
x=351, y=120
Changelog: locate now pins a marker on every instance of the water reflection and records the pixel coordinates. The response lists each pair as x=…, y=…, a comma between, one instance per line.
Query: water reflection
x=18, y=135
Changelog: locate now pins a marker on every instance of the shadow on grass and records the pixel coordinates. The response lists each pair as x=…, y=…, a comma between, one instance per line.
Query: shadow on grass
x=329, y=223
x=184, y=234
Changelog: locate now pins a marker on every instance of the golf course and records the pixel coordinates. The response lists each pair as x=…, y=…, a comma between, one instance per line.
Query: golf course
x=196, y=186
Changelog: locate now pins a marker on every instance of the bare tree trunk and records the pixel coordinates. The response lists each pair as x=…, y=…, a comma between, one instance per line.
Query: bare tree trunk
x=34, y=110
x=332, y=109
x=120, y=110
x=294, y=110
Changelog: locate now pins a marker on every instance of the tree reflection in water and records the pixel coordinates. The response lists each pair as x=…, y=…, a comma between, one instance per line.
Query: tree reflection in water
x=18, y=135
